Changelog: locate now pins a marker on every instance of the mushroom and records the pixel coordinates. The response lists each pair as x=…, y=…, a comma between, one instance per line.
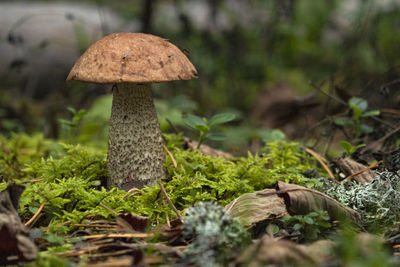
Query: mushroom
x=132, y=61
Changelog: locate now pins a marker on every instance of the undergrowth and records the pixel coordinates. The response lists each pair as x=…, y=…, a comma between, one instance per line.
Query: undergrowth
x=70, y=179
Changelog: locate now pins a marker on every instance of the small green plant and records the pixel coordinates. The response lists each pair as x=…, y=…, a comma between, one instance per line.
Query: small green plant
x=204, y=125
x=349, y=149
x=359, y=107
x=69, y=128
x=311, y=225
x=361, y=249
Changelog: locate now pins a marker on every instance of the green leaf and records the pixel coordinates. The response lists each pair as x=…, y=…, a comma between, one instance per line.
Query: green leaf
x=33, y=210
x=358, y=102
x=66, y=122
x=267, y=135
x=357, y=112
x=297, y=226
x=365, y=128
x=346, y=146
x=312, y=214
x=72, y=110
x=221, y=118
x=357, y=147
x=202, y=128
x=371, y=113
x=215, y=136
x=343, y=121
x=308, y=220
x=52, y=238
x=272, y=228
x=324, y=224
x=193, y=121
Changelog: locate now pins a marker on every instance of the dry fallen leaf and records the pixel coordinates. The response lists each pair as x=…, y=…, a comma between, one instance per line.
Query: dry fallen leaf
x=15, y=244
x=301, y=200
x=252, y=208
x=269, y=251
x=206, y=150
x=350, y=167
x=132, y=222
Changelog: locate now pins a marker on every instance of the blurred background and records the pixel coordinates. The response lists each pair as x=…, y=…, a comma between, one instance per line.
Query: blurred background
x=284, y=67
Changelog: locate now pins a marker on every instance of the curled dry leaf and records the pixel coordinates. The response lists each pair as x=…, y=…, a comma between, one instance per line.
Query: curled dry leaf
x=132, y=222
x=206, y=150
x=350, y=167
x=269, y=251
x=252, y=208
x=301, y=200
x=15, y=243
x=172, y=233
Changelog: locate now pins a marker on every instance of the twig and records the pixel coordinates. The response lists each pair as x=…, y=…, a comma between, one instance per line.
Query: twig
x=321, y=160
x=361, y=171
x=132, y=191
x=327, y=94
x=389, y=83
x=109, y=209
x=33, y=180
x=383, y=122
x=172, y=126
x=94, y=225
x=370, y=145
x=169, y=200
x=166, y=215
x=112, y=253
x=125, y=261
x=36, y=214
x=171, y=156
x=124, y=235
x=390, y=111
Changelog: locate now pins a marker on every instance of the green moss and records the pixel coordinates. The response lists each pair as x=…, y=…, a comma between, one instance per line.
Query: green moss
x=21, y=150
x=70, y=179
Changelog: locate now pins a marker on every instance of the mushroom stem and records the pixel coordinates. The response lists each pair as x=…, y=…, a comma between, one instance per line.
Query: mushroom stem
x=135, y=153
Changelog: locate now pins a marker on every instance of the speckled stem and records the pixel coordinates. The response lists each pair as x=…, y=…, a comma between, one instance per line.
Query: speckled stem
x=135, y=153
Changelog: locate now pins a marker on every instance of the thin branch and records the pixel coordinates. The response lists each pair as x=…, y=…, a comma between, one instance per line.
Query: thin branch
x=361, y=171
x=109, y=209
x=322, y=161
x=327, y=94
x=123, y=235
x=132, y=191
x=171, y=156
x=36, y=214
x=370, y=145
x=169, y=200
x=172, y=126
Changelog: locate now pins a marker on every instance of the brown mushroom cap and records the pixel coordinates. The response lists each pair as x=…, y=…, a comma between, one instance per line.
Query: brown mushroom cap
x=132, y=57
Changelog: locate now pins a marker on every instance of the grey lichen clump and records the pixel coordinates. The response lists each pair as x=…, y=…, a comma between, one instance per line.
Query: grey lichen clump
x=135, y=152
x=216, y=236
x=378, y=202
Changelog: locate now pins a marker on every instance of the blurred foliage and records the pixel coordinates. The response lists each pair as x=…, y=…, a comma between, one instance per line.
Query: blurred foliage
x=362, y=249
x=312, y=226
x=91, y=127
x=359, y=107
x=243, y=48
